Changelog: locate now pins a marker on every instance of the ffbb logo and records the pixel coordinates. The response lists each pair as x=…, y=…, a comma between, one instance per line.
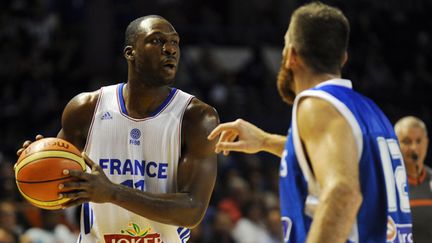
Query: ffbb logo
x=135, y=134
x=149, y=238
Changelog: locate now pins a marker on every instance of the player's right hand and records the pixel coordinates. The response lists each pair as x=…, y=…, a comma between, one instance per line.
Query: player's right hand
x=240, y=136
x=27, y=143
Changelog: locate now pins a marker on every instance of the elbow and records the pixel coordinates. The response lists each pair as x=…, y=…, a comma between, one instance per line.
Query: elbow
x=346, y=194
x=193, y=217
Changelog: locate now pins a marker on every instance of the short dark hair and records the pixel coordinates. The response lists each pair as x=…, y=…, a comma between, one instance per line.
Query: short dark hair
x=134, y=28
x=320, y=35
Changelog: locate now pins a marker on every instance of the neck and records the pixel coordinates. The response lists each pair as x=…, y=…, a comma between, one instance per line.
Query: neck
x=306, y=80
x=141, y=100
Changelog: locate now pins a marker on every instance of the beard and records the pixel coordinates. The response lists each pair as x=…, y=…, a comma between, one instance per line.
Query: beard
x=285, y=84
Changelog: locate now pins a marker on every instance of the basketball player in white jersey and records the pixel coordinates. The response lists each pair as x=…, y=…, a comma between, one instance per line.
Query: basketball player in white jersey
x=151, y=168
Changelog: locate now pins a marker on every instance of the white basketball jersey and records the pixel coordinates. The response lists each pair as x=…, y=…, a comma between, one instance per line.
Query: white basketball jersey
x=139, y=153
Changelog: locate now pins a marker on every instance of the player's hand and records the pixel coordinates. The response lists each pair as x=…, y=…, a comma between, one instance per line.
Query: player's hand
x=240, y=136
x=27, y=143
x=91, y=186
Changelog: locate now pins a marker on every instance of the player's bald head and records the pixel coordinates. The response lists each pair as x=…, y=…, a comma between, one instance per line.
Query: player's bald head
x=409, y=122
x=142, y=25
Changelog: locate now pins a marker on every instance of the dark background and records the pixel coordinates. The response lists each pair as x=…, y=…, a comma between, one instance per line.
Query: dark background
x=52, y=50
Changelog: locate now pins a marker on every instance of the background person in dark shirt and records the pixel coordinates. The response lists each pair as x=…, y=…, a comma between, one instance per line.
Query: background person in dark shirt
x=413, y=140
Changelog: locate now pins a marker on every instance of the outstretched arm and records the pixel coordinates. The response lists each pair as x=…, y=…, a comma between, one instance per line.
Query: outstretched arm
x=242, y=136
x=331, y=148
x=195, y=179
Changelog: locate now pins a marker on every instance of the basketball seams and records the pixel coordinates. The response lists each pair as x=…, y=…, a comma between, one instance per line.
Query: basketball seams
x=48, y=154
x=38, y=172
x=51, y=180
x=54, y=204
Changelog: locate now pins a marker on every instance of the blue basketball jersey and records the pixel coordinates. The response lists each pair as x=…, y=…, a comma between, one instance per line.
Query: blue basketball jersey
x=384, y=215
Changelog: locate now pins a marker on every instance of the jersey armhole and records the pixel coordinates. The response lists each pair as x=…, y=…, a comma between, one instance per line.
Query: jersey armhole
x=342, y=109
x=90, y=130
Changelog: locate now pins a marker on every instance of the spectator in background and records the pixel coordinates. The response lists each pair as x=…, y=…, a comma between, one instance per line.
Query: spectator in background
x=52, y=231
x=274, y=225
x=8, y=218
x=6, y=236
x=8, y=187
x=413, y=140
x=222, y=226
x=251, y=227
x=239, y=195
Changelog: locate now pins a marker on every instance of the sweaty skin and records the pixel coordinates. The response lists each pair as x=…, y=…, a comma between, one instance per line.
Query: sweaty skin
x=152, y=64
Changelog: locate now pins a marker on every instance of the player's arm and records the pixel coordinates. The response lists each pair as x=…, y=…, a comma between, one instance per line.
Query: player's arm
x=195, y=178
x=242, y=136
x=77, y=117
x=331, y=148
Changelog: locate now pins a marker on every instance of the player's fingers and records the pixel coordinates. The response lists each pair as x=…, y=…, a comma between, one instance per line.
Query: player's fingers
x=230, y=138
x=76, y=173
x=73, y=185
x=229, y=126
x=26, y=143
x=88, y=161
x=39, y=137
x=19, y=152
x=231, y=146
x=226, y=136
x=24, y=146
x=73, y=203
x=74, y=195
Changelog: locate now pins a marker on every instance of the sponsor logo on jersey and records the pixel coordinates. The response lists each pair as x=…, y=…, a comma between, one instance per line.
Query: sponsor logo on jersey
x=134, y=234
x=135, y=134
x=106, y=116
x=398, y=232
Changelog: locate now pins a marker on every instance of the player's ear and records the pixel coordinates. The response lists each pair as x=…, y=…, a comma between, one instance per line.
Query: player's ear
x=344, y=58
x=292, y=57
x=129, y=53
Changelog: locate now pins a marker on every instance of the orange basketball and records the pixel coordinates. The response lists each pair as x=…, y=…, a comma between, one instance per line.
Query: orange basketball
x=39, y=171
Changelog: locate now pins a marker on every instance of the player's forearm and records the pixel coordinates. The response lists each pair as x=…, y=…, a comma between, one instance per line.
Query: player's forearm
x=335, y=215
x=274, y=144
x=178, y=209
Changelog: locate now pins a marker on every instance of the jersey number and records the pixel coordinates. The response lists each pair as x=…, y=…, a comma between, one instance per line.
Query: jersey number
x=137, y=185
x=395, y=178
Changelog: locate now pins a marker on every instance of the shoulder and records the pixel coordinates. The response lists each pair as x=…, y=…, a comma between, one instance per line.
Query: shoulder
x=198, y=121
x=315, y=111
x=77, y=117
x=316, y=116
x=198, y=111
x=82, y=103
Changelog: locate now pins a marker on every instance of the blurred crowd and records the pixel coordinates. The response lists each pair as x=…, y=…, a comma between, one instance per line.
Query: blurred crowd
x=52, y=50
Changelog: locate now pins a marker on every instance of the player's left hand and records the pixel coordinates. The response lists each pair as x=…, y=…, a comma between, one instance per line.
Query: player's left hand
x=91, y=186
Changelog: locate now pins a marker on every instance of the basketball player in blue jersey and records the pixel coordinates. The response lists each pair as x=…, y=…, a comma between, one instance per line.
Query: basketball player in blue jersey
x=342, y=177
x=151, y=168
